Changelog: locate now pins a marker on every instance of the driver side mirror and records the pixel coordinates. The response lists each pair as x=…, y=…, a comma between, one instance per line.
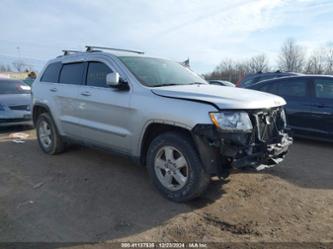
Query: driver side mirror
x=112, y=79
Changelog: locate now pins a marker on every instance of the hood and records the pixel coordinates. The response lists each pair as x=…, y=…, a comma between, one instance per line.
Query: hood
x=222, y=96
x=15, y=99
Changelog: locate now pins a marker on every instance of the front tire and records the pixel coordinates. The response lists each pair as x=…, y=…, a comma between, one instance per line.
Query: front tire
x=48, y=137
x=175, y=167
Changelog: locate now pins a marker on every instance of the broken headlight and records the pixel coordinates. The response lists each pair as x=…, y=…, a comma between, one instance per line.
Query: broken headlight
x=232, y=121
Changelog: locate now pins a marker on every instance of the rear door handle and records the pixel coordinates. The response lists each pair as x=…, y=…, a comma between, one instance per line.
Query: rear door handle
x=86, y=94
x=53, y=89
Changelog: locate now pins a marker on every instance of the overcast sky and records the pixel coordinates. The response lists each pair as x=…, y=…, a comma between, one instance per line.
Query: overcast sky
x=205, y=31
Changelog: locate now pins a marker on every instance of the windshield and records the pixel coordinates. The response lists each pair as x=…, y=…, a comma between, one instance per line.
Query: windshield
x=14, y=87
x=156, y=72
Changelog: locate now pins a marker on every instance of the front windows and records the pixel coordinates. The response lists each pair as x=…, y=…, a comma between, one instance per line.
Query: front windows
x=96, y=75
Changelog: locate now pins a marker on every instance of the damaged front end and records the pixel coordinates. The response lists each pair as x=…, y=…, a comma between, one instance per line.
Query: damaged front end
x=265, y=146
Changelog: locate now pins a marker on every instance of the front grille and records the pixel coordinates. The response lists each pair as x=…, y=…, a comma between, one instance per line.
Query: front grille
x=269, y=123
x=20, y=108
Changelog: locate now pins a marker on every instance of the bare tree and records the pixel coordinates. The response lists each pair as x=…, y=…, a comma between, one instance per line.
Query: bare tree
x=291, y=56
x=316, y=62
x=329, y=61
x=8, y=68
x=19, y=65
x=5, y=68
x=257, y=63
x=2, y=68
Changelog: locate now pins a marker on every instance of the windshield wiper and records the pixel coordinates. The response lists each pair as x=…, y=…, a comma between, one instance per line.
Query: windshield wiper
x=196, y=83
x=167, y=84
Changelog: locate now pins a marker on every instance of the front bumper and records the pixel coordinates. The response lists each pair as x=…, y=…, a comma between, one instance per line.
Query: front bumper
x=238, y=150
x=262, y=155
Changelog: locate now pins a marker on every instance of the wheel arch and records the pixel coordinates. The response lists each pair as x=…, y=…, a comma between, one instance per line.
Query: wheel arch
x=154, y=129
x=38, y=109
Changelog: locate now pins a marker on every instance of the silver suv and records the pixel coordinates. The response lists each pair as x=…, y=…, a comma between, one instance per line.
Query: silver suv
x=159, y=113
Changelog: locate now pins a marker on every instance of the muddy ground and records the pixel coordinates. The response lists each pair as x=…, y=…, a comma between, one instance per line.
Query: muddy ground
x=86, y=195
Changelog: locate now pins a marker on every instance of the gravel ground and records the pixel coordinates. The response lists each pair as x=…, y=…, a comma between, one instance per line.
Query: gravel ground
x=85, y=195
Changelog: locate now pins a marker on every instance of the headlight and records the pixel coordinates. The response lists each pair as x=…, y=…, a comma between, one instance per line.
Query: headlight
x=231, y=121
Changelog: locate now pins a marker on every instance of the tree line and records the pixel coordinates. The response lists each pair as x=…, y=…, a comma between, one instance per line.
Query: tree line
x=292, y=58
x=18, y=66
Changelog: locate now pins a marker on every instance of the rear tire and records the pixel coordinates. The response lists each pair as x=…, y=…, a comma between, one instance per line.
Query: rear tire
x=175, y=167
x=47, y=134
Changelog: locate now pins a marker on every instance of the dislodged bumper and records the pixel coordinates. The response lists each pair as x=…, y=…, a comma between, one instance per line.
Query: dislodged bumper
x=238, y=150
x=262, y=155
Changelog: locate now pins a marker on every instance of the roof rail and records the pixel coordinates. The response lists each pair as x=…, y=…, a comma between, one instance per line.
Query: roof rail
x=91, y=49
x=69, y=51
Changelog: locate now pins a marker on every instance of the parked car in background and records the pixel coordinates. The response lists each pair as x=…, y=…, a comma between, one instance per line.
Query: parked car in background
x=251, y=79
x=15, y=103
x=309, y=106
x=221, y=83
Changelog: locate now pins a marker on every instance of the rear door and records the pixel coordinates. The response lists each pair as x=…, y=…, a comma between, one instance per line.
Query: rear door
x=65, y=95
x=104, y=111
x=322, y=106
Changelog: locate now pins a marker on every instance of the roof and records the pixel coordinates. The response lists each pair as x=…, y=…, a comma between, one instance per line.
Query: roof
x=293, y=77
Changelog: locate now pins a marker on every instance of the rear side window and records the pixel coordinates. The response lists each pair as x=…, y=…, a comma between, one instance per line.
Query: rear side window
x=51, y=74
x=96, y=75
x=72, y=73
x=292, y=88
x=323, y=88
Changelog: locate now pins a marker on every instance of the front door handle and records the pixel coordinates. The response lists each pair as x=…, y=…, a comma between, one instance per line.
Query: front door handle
x=86, y=94
x=53, y=89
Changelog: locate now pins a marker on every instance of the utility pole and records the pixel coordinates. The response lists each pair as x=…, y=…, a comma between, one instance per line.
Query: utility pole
x=19, y=52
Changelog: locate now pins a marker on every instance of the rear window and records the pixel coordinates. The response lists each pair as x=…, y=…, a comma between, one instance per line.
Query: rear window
x=14, y=87
x=51, y=73
x=72, y=73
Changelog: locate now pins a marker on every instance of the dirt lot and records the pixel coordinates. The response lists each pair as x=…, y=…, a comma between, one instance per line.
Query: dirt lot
x=86, y=195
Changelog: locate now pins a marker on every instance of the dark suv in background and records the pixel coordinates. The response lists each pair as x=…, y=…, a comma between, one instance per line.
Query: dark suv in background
x=251, y=79
x=309, y=106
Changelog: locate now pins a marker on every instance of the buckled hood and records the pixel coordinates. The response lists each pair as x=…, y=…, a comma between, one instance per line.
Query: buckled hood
x=222, y=96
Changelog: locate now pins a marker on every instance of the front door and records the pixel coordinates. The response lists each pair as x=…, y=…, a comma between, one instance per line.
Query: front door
x=296, y=92
x=104, y=111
